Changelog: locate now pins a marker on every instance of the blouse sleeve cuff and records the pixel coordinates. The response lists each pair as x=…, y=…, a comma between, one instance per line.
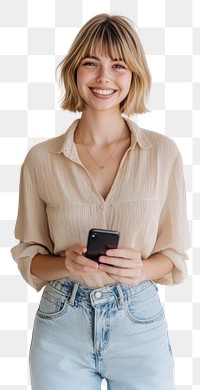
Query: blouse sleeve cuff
x=23, y=255
x=24, y=267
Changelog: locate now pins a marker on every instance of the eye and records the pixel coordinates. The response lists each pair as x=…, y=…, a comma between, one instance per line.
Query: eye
x=119, y=66
x=89, y=64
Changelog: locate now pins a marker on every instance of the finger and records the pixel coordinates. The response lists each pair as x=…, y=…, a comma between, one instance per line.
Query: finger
x=119, y=262
x=124, y=272
x=78, y=259
x=77, y=268
x=79, y=249
x=90, y=270
x=84, y=261
x=88, y=262
x=127, y=253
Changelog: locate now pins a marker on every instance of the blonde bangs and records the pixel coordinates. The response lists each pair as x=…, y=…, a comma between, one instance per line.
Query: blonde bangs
x=107, y=43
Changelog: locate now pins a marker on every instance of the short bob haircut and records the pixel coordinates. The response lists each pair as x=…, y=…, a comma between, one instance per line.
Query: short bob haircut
x=117, y=38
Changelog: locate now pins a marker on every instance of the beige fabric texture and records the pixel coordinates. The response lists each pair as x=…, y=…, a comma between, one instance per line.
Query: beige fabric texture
x=58, y=203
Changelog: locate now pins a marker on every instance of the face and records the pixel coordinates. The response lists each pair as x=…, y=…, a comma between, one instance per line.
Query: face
x=103, y=83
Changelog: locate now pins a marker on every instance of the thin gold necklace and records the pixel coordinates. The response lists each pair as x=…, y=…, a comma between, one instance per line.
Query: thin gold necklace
x=102, y=166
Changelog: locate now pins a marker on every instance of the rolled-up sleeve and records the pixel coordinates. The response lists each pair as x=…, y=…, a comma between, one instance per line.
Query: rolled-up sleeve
x=173, y=238
x=31, y=227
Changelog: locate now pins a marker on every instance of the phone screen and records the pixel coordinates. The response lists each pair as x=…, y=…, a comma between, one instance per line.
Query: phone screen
x=99, y=241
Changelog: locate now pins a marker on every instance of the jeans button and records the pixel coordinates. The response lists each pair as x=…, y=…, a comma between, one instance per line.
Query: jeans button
x=97, y=294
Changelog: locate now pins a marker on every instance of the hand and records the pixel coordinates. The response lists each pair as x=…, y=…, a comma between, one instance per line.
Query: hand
x=123, y=265
x=76, y=263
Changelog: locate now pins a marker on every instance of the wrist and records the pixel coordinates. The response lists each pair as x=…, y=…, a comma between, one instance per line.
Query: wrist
x=47, y=267
x=156, y=266
x=143, y=272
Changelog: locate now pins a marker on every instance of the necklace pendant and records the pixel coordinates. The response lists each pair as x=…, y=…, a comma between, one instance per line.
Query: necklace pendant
x=101, y=167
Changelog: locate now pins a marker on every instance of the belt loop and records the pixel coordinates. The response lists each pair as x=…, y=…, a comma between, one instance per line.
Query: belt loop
x=121, y=295
x=73, y=296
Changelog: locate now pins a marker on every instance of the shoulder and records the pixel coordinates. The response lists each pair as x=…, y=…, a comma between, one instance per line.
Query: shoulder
x=53, y=146
x=156, y=143
x=161, y=142
x=43, y=150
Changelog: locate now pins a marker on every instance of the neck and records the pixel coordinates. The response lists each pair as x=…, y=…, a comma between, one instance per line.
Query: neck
x=101, y=127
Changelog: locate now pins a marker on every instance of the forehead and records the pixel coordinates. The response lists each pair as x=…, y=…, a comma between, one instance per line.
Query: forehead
x=97, y=56
x=103, y=48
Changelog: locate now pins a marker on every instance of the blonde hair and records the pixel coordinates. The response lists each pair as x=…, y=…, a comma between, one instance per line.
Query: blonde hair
x=116, y=37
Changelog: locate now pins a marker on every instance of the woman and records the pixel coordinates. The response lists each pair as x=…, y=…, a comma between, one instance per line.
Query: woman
x=102, y=320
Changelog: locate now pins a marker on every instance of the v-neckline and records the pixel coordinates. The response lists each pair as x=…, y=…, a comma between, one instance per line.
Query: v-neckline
x=114, y=182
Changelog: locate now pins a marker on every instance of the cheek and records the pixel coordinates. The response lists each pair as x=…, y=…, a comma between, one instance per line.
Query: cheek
x=78, y=84
x=125, y=79
x=126, y=84
x=79, y=78
x=80, y=81
x=129, y=79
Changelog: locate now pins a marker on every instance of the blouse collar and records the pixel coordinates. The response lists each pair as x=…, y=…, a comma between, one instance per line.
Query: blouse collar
x=65, y=143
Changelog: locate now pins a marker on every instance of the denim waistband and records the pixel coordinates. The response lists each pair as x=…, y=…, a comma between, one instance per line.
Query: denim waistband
x=76, y=291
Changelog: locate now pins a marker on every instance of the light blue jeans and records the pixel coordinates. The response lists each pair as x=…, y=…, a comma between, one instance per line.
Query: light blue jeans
x=83, y=335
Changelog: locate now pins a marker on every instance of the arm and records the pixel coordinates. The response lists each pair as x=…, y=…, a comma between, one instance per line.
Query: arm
x=156, y=267
x=49, y=268
x=31, y=228
x=173, y=239
x=126, y=266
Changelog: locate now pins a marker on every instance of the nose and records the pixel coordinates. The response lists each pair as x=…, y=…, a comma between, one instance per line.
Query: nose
x=103, y=76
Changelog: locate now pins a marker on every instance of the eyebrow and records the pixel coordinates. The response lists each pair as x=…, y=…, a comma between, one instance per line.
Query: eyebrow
x=92, y=57
x=98, y=59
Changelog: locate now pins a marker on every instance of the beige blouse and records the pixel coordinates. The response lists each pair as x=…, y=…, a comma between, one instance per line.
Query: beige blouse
x=58, y=203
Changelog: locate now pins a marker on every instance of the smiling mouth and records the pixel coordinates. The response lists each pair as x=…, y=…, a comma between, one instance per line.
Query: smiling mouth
x=103, y=92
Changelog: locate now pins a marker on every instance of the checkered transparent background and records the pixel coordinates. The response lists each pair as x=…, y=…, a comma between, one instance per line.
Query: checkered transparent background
x=34, y=37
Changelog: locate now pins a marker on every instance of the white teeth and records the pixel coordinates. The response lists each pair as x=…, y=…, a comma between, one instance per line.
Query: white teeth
x=103, y=91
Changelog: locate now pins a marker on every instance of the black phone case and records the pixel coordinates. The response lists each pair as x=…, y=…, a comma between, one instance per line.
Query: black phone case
x=99, y=240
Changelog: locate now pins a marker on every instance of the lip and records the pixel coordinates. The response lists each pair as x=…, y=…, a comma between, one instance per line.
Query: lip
x=102, y=92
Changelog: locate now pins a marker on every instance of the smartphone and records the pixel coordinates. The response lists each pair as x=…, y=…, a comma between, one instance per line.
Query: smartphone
x=99, y=240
